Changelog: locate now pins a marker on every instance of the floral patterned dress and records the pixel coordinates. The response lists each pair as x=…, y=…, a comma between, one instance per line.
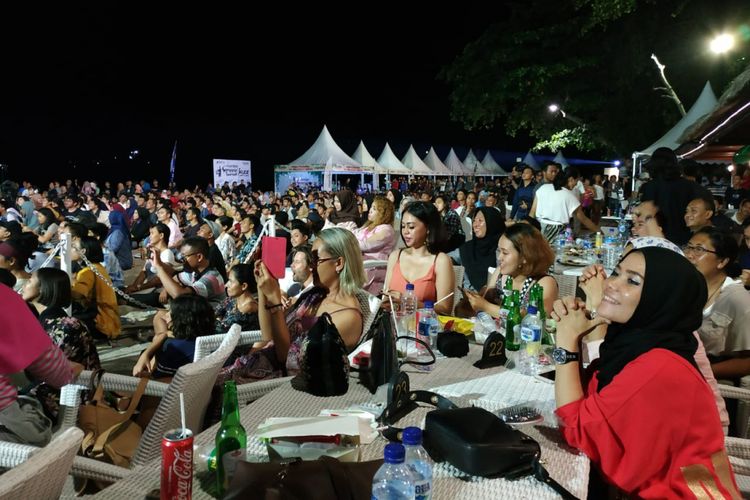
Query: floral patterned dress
x=228, y=314
x=263, y=364
x=73, y=338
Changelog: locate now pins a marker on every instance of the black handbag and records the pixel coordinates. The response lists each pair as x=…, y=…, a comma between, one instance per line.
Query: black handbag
x=473, y=440
x=384, y=365
x=324, y=369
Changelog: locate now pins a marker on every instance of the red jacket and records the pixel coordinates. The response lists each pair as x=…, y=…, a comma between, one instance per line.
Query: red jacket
x=654, y=431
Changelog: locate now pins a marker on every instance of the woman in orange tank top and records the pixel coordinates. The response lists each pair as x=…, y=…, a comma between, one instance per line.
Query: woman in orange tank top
x=421, y=262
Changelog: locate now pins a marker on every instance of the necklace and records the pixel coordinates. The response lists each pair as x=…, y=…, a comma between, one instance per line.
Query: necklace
x=708, y=301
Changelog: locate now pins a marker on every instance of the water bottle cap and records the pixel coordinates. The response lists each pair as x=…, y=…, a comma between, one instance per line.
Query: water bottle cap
x=531, y=310
x=428, y=304
x=394, y=453
x=409, y=286
x=412, y=436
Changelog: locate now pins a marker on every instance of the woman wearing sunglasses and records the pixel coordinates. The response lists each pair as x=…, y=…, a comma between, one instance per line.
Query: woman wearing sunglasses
x=338, y=276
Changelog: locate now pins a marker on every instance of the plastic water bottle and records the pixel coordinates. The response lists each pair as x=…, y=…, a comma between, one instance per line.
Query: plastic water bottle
x=393, y=480
x=484, y=325
x=419, y=462
x=427, y=331
x=409, y=308
x=531, y=342
x=622, y=229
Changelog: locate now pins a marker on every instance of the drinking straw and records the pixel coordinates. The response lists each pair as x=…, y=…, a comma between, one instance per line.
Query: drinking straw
x=182, y=415
x=439, y=301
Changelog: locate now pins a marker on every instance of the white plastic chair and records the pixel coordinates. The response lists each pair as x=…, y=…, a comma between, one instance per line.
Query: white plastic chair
x=38, y=473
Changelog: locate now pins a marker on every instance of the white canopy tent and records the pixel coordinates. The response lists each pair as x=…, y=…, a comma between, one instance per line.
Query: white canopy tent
x=390, y=161
x=364, y=157
x=702, y=106
x=414, y=163
x=531, y=161
x=454, y=164
x=559, y=158
x=433, y=161
x=490, y=164
x=323, y=156
x=476, y=166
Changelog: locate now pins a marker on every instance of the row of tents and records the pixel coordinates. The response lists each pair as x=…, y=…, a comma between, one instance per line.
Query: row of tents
x=325, y=155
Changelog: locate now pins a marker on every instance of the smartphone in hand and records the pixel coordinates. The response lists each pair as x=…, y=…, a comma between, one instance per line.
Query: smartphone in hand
x=273, y=255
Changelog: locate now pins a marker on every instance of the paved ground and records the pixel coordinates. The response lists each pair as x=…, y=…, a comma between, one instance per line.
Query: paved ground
x=121, y=355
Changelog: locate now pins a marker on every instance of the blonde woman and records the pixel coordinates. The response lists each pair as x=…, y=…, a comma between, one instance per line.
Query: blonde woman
x=338, y=277
x=377, y=239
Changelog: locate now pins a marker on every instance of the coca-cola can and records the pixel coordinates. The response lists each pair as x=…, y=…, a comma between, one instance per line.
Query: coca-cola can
x=177, y=465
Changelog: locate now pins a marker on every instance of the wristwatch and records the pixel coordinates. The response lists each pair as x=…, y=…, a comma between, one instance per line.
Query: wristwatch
x=562, y=356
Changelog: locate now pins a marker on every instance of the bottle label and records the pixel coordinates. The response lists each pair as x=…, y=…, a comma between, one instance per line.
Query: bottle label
x=422, y=490
x=531, y=334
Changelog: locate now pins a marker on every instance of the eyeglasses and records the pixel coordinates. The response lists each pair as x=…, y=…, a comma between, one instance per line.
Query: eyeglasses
x=186, y=255
x=697, y=250
x=316, y=260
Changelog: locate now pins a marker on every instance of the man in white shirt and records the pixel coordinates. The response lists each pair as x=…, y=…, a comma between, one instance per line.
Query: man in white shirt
x=164, y=215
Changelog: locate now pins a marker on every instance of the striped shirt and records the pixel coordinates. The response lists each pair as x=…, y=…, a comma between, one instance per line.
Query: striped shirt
x=51, y=367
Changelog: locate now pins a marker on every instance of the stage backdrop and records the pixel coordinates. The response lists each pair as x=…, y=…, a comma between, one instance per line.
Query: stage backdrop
x=231, y=171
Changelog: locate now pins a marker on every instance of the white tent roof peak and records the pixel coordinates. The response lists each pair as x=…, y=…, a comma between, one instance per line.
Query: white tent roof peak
x=433, y=161
x=454, y=164
x=362, y=156
x=531, y=161
x=474, y=166
x=490, y=164
x=389, y=160
x=559, y=158
x=326, y=152
x=414, y=163
x=705, y=103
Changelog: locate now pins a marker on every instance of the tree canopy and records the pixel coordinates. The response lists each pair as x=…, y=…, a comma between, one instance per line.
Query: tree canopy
x=592, y=59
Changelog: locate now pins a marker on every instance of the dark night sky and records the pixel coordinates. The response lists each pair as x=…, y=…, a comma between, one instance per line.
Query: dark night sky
x=89, y=85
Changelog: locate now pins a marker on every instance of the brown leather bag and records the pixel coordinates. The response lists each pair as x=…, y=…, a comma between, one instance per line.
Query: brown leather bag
x=320, y=479
x=110, y=435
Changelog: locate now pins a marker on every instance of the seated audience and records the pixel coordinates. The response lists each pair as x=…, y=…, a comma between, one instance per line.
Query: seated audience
x=652, y=305
x=699, y=212
x=240, y=306
x=376, y=241
x=421, y=262
x=118, y=240
x=94, y=300
x=524, y=257
x=480, y=252
x=189, y=317
x=26, y=347
x=338, y=275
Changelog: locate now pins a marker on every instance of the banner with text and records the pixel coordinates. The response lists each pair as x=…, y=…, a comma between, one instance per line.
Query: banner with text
x=231, y=171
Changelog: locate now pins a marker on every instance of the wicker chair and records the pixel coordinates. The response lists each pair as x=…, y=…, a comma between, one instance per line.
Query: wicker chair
x=247, y=393
x=567, y=285
x=373, y=264
x=194, y=380
x=458, y=271
x=738, y=449
x=40, y=475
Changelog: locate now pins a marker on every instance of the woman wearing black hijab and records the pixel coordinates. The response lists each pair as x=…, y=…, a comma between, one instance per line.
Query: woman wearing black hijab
x=647, y=418
x=480, y=252
x=345, y=213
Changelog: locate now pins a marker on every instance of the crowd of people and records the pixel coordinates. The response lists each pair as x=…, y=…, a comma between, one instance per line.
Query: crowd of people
x=674, y=313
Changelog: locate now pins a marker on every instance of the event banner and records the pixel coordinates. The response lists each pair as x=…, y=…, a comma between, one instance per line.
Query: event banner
x=231, y=171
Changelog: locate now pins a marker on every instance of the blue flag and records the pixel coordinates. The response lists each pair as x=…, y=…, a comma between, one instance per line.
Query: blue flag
x=172, y=164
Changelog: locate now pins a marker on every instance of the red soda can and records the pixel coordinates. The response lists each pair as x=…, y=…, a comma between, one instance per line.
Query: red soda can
x=177, y=465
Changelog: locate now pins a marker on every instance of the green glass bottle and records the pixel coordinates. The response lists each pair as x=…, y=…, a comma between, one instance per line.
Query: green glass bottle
x=538, y=293
x=513, y=323
x=231, y=435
